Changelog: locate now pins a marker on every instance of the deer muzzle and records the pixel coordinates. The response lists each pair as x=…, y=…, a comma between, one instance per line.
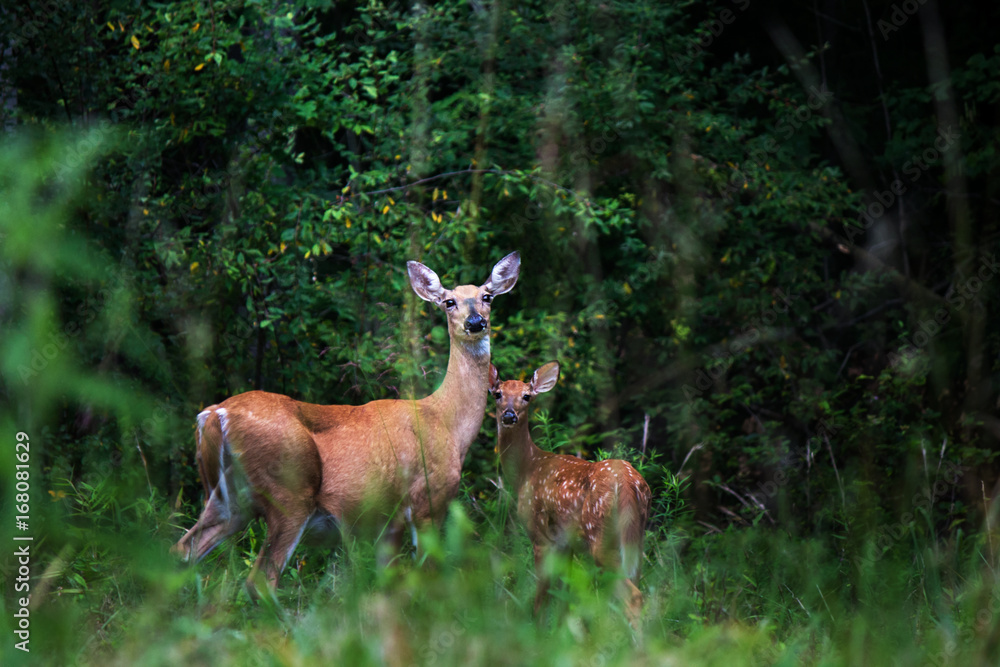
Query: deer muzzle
x=508, y=418
x=475, y=323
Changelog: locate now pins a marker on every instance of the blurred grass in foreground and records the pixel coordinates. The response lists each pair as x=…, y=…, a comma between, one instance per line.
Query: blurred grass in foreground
x=742, y=597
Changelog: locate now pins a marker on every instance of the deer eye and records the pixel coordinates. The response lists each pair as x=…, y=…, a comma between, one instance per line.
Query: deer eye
x=497, y=395
x=526, y=397
x=449, y=303
x=487, y=298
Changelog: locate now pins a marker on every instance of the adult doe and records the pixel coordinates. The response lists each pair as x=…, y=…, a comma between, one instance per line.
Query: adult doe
x=563, y=499
x=387, y=463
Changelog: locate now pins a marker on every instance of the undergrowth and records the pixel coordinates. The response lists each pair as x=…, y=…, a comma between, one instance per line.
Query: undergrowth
x=740, y=596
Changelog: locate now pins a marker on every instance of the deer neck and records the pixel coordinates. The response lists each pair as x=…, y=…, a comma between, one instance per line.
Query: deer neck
x=461, y=398
x=517, y=452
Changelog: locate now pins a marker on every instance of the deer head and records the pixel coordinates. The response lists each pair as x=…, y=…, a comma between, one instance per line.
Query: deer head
x=467, y=307
x=513, y=396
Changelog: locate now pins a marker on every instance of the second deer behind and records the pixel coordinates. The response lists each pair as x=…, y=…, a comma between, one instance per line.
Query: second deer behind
x=562, y=499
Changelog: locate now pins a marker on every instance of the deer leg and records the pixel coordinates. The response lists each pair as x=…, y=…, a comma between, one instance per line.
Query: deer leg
x=220, y=519
x=631, y=598
x=623, y=559
x=284, y=530
x=408, y=515
x=542, y=594
x=227, y=510
x=390, y=543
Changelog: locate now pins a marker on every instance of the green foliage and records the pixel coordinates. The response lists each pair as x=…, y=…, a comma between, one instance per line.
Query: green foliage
x=198, y=199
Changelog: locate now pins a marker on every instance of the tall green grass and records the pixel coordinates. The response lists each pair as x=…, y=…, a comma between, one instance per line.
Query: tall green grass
x=752, y=596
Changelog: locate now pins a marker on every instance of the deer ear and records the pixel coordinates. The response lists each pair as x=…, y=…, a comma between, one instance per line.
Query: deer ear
x=504, y=274
x=425, y=282
x=494, y=378
x=545, y=378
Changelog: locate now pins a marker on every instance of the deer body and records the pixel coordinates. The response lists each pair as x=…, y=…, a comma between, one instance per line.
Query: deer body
x=562, y=499
x=380, y=464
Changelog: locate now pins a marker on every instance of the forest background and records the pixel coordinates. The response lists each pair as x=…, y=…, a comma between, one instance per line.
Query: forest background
x=760, y=239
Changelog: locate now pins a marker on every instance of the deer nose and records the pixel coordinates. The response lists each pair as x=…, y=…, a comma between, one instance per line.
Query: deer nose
x=475, y=323
x=508, y=417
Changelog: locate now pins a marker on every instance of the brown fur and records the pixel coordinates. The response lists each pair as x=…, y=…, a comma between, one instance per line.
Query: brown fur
x=382, y=464
x=562, y=499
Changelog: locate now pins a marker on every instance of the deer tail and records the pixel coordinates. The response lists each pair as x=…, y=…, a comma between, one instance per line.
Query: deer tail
x=214, y=451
